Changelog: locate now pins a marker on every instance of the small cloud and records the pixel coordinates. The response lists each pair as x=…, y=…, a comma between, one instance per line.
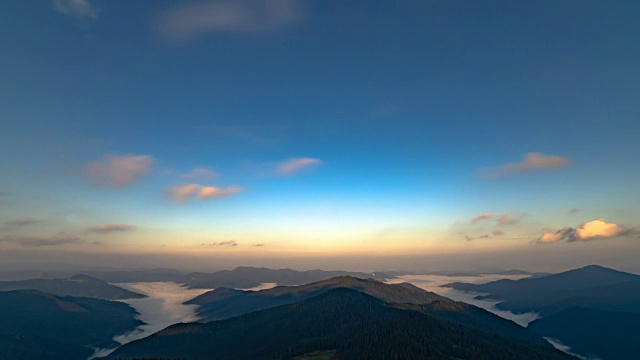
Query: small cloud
x=598, y=229
x=21, y=222
x=574, y=210
x=119, y=171
x=208, y=192
x=470, y=238
x=482, y=217
x=222, y=243
x=110, y=228
x=35, y=241
x=296, y=165
x=551, y=237
x=80, y=9
x=182, y=193
x=591, y=230
x=201, y=174
x=498, y=232
x=257, y=245
x=510, y=218
x=193, y=19
x=530, y=162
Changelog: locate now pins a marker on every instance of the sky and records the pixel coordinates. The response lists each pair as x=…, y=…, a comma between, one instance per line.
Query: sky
x=351, y=134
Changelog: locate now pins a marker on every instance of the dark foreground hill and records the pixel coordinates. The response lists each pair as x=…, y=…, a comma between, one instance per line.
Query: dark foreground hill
x=35, y=325
x=77, y=286
x=224, y=303
x=594, y=333
x=344, y=323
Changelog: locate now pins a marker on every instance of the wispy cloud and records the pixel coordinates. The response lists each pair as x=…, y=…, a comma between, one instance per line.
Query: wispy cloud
x=510, y=218
x=192, y=19
x=110, y=228
x=182, y=193
x=231, y=243
x=36, y=241
x=532, y=161
x=22, y=222
x=257, y=245
x=591, y=230
x=498, y=232
x=296, y=165
x=482, y=217
x=201, y=174
x=470, y=238
x=119, y=171
x=80, y=9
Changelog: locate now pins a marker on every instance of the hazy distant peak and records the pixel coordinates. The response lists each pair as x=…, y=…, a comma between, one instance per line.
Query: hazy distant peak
x=83, y=277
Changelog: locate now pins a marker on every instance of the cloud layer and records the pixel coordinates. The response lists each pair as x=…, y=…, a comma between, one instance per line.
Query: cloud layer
x=119, y=171
x=110, y=228
x=231, y=243
x=182, y=193
x=193, y=19
x=532, y=161
x=296, y=165
x=482, y=217
x=596, y=229
x=37, y=241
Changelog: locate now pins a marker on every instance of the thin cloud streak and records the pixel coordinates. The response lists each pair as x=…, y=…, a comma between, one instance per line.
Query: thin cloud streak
x=80, y=9
x=110, y=228
x=190, y=20
x=182, y=193
x=35, y=241
x=482, y=217
x=532, y=161
x=119, y=171
x=296, y=165
x=22, y=222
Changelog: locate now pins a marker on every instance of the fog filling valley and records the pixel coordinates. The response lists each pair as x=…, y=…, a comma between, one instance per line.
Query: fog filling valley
x=162, y=307
x=433, y=282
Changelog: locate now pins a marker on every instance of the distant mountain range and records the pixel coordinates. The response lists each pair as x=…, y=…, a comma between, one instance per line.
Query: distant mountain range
x=577, y=307
x=240, y=277
x=35, y=325
x=78, y=286
x=340, y=323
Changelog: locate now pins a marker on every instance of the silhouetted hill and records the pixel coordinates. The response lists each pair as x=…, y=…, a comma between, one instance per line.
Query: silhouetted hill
x=78, y=286
x=607, y=335
x=224, y=303
x=533, y=294
x=623, y=296
x=35, y=325
x=351, y=324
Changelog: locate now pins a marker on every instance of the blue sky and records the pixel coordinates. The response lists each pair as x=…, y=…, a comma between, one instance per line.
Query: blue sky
x=318, y=127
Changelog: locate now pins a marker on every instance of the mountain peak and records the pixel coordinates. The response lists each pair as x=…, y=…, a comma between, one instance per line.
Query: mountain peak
x=83, y=277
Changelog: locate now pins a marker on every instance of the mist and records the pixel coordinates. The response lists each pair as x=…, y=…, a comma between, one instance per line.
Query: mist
x=162, y=307
x=433, y=282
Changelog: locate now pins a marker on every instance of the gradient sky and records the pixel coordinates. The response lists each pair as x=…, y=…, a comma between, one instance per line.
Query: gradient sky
x=274, y=129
